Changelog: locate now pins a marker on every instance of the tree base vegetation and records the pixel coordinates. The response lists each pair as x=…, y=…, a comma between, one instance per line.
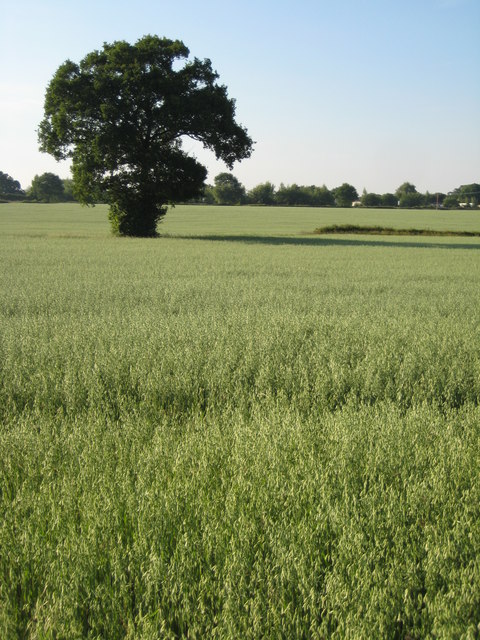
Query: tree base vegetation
x=136, y=220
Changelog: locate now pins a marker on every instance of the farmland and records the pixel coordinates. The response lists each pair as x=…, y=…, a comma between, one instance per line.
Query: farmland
x=240, y=429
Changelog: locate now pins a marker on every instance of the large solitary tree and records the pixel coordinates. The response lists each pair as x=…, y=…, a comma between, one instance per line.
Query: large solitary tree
x=121, y=115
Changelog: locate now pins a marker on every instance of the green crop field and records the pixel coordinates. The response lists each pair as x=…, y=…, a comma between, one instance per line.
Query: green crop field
x=239, y=429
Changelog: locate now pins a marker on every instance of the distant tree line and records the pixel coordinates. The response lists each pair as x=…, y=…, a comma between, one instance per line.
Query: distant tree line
x=228, y=190
x=47, y=187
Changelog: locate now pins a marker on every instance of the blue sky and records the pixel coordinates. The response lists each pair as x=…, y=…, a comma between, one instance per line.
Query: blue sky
x=371, y=92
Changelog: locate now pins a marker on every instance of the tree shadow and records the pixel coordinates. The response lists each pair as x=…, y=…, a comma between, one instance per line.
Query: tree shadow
x=324, y=241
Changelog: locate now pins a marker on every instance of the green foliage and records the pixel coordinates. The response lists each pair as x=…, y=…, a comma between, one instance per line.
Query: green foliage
x=237, y=431
x=311, y=196
x=411, y=200
x=322, y=197
x=228, y=189
x=406, y=196
x=208, y=195
x=388, y=200
x=9, y=187
x=68, y=190
x=262, y=194
x=451, y=201
x=121, y=114
x=371, y=199
x=404, y=189
x=345, y=194
x=469, y=193
x=47, y=187
x=433, y=199
x=292, y=195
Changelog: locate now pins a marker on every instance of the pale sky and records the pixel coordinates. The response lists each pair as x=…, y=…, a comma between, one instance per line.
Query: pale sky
x=370, y=92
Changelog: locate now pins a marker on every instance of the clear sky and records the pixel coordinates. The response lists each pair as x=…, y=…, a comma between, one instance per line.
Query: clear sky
x=370, y=92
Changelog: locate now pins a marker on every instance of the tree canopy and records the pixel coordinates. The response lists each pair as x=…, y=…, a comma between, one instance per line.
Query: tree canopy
x=405, y=188
x=47, y=187
x=345, y=194
x=469, y=193
x=121, y=115
x=228, y=189
x=9, y=186
x=262, y=194
x=371, y=199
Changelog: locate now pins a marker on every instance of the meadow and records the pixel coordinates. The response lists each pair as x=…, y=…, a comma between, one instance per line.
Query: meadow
x=239, y=429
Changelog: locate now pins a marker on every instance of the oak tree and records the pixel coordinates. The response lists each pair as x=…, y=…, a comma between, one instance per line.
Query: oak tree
x=121, y=115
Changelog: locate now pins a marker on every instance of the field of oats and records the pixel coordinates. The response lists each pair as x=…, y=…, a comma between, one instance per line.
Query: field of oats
x=239, y=429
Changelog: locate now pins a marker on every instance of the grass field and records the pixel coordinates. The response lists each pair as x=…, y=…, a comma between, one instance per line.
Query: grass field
x=240, y=429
